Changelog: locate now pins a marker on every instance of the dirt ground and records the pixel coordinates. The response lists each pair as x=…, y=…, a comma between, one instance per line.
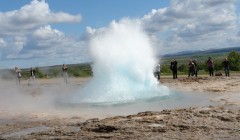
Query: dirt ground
x=209, y=122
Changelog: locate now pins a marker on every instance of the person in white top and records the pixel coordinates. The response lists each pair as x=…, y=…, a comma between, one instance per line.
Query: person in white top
x=18, y=75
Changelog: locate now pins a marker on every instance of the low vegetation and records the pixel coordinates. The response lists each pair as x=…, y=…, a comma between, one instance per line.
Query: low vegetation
x=233, y=57
x=74, y=70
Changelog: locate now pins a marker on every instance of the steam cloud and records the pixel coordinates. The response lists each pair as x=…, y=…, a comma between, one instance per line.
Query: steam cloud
x=123, y=71
x=123, y=65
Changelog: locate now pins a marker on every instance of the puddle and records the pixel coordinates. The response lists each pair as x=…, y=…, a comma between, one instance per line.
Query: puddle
x=26, y=132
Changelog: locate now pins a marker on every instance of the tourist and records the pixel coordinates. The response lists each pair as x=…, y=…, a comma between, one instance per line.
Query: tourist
x=157, y=71
x=226, y=66
x=210, y=66
x=195, y=67
x=32, y=76
x=173, y=67
x=65, y=74
x=190, y=68
x=18, y=75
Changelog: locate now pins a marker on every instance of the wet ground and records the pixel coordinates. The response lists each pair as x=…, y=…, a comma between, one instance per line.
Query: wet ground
x=32, y=112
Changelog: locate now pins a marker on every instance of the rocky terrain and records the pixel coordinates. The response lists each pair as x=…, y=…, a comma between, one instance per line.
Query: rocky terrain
x=191, y=123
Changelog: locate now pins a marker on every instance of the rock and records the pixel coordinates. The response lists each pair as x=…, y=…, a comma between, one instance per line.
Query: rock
x=104, y=129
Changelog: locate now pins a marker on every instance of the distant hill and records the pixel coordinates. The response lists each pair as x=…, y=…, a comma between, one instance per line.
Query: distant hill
x=210, y=51
x=81, y=65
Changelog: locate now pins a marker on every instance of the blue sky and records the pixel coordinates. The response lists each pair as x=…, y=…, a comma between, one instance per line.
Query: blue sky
x=96, y=13
x=37, y=33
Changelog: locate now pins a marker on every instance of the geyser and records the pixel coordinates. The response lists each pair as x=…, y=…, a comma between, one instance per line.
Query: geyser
x=123, y=66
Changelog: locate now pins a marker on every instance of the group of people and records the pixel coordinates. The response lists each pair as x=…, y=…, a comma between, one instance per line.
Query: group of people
x=211, y=66
x=33, y=75
x=19, y=76
x=193, y=70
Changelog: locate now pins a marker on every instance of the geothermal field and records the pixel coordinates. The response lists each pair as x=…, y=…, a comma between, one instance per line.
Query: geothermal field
x=195, y=107
x=122, y=100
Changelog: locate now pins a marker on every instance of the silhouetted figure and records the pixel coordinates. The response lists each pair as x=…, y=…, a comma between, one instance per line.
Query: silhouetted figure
x=195, y=67
x=191, y=68
x=32, y=76
x=18, y=75
x=157, y=72
x=226, y=66
x=210, y=66
x=173, y=67
x=65, y=74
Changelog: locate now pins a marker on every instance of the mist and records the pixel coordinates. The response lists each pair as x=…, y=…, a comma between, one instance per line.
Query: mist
x=24, y=99
x=123, y=65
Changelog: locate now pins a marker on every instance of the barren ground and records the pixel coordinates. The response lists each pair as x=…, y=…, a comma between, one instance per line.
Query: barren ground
x=209, y=122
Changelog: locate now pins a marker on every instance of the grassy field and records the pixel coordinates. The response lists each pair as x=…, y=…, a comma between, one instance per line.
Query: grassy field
x=85, y=70
x=201, y=58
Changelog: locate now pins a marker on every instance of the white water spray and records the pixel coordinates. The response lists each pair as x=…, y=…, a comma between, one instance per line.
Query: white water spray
x=123, y=66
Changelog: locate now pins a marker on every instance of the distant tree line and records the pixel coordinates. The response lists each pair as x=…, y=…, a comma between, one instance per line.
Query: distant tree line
x=73, y=71
x=233, y=57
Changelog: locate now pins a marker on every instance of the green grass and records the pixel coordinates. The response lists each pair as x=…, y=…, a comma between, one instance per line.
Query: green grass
x=201, y=58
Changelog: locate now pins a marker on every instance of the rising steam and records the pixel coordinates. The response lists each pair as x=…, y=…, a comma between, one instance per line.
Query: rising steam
x=123, y=65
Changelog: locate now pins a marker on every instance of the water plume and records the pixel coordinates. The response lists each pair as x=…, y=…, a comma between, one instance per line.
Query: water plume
x=123, y=64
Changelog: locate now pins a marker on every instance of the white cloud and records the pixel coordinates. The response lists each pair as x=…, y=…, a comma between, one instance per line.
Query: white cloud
x=30, y=17
x=200, y=24
x=47, y=32
x=26, y=33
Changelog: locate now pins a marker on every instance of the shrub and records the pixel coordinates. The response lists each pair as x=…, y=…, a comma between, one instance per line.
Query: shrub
x=234, y=60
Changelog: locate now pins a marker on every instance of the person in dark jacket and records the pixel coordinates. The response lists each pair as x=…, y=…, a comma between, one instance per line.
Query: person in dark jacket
x=32, y=73
x=65, y=74
x=210, y=66
x=195, y=67
x=226, y=66
x=190, y=68
x=157, y=71
x=32, y=76
x=173, y=67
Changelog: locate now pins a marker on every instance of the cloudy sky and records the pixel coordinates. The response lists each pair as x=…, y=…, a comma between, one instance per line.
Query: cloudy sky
x=49, y=32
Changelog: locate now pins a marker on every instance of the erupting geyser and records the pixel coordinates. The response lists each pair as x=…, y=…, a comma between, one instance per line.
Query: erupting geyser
x=123, y=64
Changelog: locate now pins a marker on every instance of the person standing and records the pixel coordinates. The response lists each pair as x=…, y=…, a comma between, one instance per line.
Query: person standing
x=65, y=74
x=18, y=75
x=226, y=66
x=157, y=71
x=195, y=67
x=190, y=68
x=210, y=66
x=32, y=76
x=173, y=67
